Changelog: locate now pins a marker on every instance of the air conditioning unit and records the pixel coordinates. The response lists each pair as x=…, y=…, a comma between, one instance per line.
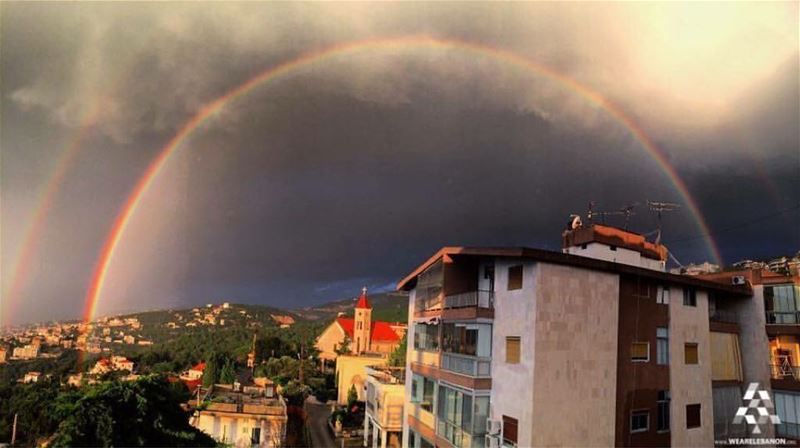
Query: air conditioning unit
x=493, y=442
x=738, y=280
x=493, y=427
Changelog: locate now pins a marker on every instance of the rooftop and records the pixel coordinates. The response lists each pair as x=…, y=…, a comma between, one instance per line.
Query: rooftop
x=226, y=398
x=453, y=252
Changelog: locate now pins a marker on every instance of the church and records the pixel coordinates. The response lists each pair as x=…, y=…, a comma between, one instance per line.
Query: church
x=360, y=335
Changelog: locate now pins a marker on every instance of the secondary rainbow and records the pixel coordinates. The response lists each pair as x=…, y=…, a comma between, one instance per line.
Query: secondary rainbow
x=422, y=42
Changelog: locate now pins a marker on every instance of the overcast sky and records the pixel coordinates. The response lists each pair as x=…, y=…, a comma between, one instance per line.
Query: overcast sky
x=354, y=170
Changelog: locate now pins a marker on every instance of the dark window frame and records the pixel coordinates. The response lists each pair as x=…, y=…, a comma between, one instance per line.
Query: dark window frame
x=693, y=416
x=639, y=413
x=515, y=277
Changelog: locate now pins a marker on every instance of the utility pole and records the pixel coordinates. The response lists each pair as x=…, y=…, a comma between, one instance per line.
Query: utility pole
x=301, y=355
x=14, y=431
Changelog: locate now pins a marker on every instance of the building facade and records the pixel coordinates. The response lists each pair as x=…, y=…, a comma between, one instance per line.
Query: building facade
x=525, y=347
x=383, y=419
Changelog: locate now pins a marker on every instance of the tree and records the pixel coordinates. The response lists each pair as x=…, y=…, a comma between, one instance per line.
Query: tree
x=352, y=396
x=227, y=375
x=211, y=372
x=398, y=357
x=145, y=412
x=344, y=347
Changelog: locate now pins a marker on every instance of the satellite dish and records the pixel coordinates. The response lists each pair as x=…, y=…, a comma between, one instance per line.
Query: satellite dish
x=574, y=222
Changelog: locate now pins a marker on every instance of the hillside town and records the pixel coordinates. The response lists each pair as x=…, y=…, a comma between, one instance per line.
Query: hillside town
x=471, y=319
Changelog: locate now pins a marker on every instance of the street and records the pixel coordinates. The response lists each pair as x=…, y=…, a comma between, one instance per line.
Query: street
x=318, y=423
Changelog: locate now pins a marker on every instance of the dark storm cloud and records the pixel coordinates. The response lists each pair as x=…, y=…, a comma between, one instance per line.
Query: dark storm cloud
x=352, y=172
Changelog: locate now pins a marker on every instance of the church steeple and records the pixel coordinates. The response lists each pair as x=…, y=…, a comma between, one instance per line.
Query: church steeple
x=362, y=331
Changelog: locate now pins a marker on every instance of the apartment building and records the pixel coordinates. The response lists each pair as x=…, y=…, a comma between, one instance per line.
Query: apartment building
x=383, y=419
x=593, y=346
x=777, y=294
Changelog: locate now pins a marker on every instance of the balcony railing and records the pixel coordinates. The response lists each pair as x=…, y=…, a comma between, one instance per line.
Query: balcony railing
x=428, y=303
x=783, y=317
x=455, y=435
x=479, y=299
x=724, y=316
x=467, y=365
x=782, y=371
x=788, y=430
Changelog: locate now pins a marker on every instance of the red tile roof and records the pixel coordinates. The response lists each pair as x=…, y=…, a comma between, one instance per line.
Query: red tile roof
x=200, y=366
x=381, y=331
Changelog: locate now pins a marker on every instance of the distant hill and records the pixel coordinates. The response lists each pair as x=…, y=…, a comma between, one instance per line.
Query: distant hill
x=390, y=307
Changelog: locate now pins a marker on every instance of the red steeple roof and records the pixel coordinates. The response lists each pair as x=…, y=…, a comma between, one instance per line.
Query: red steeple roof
x=362, y=300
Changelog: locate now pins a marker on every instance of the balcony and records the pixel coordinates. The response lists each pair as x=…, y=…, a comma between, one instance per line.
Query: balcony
x=428, y=303
x=457, y=436
x=788, y=430
x=785, y=372
x=724, y=316
x=783, y=317
x=471, y=299
x=467, y=365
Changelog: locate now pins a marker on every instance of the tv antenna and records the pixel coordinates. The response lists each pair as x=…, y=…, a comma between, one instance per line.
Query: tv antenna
x=626, y=211
x=660, y=208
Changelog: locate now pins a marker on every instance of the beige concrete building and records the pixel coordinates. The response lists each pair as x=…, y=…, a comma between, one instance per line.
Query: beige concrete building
x=351, y=372
x=594, y=346
x=383, y=420
x=242, y=416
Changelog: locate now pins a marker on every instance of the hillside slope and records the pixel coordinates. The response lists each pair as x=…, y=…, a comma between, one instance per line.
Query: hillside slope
x=390, y=307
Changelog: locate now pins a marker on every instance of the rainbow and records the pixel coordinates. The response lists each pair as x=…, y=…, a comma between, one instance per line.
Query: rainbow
x=211, y=109
x=47, y=195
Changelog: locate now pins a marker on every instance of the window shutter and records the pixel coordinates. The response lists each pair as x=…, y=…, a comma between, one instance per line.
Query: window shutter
x=513, y=349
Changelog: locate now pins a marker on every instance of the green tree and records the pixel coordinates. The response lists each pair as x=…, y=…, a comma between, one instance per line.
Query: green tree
x=398, y=357
x=145, y=412
x=211, y=372
x=352, y=396
x=227, y=375
x=344, y=347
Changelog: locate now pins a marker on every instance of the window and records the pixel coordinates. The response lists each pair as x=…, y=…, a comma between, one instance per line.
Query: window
x=422, y=391
x=690, y=353
x=663, y=411
x=692, y=416
x=662, y=346
x=613, y=248
x=663, y=296
x=488, y=274
x=689, y=297
x=640, y=421
x=426, y=337
x=467, y=339
x=640, y=351
x=510, y=426
x=643, y=289
x=512, y=349
x=515, y=277
x=460, y=414
x=255, y=436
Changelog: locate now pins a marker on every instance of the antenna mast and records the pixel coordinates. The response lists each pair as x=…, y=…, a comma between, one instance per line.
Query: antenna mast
x=659, y=208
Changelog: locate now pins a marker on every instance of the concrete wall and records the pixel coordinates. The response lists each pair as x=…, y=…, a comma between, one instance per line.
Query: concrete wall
x=350, y=371
x=754, y=344
x=620, y=255
x=409, y=358
x=690, y=384
x=514, y=315
x=574, y=381
x=233, y=427
x=329, y=340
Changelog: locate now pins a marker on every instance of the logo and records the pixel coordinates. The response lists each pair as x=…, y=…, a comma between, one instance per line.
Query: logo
x=761, y=406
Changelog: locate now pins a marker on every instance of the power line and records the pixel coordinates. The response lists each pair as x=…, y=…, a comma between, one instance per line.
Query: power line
x=736, y=227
